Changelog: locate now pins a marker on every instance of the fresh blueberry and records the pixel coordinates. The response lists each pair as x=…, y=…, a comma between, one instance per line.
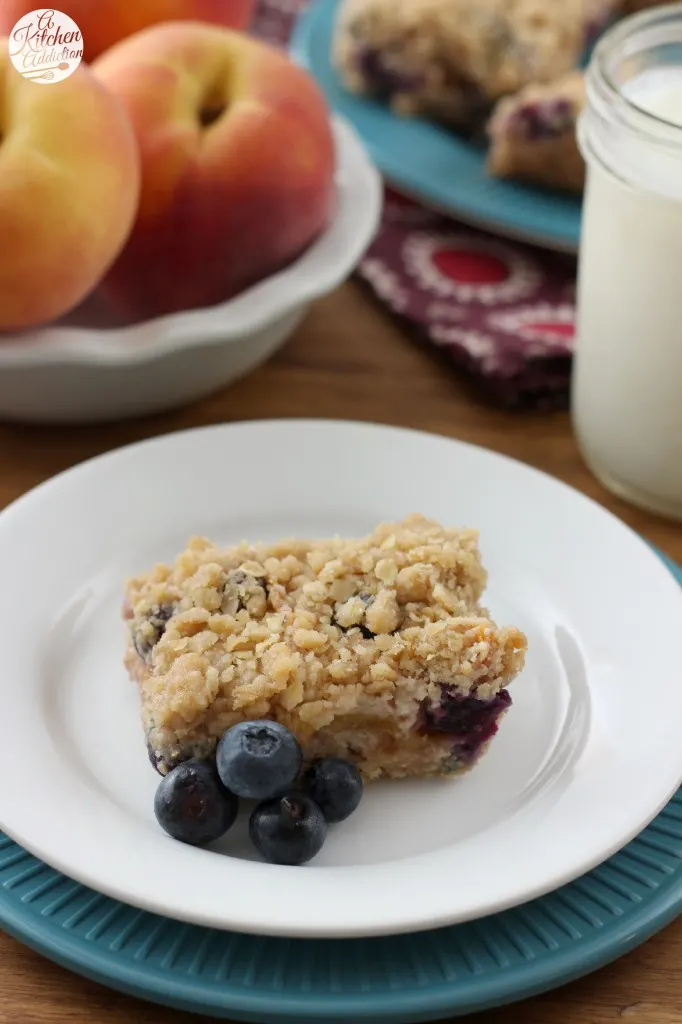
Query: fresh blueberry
x=192, y=805
x=258, y=760
x=290, y=830
x=335, y=785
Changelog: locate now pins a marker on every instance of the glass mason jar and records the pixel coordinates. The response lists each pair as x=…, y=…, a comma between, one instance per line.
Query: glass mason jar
x=627, y=383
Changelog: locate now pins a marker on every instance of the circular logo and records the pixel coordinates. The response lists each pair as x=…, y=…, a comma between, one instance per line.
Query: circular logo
x=45, y=46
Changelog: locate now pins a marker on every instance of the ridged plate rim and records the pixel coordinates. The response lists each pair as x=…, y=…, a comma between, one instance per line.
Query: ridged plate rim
x=68, y=944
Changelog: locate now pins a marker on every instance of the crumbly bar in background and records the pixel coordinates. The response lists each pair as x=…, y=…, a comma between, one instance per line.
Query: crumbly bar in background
x=630, y=6
x=533, y=135
x=376, y=650
x=452, y=59
x=598, y=14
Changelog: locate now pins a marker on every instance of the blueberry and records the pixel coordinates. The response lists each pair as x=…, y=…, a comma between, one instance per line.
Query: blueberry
x=192, y=805
x=367, y=634
x=158, y=761
x=151, y=629
x=163, y=763
x=381, y=77
x=258, y=760
x=335, y=785
x=244, y=591
x=544, y=120
x=154, y=760
x=290, y=830
x=471, y=722
x=460, y=714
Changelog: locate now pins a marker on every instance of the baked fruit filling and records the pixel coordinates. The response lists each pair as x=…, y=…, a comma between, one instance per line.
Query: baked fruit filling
x=470, y=723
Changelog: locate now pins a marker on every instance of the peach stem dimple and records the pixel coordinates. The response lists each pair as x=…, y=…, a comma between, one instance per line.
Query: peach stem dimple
x=212, y=104
x=209, y=114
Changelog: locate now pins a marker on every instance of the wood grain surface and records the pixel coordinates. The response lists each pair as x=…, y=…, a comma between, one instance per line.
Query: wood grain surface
x=347, y=361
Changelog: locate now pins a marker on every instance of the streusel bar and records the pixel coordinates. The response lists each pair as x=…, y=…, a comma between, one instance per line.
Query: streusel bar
x=376, y=650
x=533, y=134
x=452, y=59
x=630, y=6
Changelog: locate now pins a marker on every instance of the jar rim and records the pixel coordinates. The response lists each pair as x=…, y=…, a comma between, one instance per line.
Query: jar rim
x=616, y=130
x=648, y=27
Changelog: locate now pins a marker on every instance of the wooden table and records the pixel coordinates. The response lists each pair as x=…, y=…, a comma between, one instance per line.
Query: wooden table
x=347, y=361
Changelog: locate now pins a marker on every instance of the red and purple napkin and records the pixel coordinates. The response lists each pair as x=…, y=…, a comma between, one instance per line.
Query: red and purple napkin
x=497, y=310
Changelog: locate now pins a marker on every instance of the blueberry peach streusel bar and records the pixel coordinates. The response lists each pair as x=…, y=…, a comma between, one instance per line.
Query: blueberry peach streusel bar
x=373, y=650
x=533, y=134
x=452, y=59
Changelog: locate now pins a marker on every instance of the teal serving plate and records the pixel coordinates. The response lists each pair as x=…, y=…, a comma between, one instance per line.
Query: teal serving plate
x=429, y=162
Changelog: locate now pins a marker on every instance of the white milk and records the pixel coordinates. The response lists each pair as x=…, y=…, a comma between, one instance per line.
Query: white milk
x=627, y=387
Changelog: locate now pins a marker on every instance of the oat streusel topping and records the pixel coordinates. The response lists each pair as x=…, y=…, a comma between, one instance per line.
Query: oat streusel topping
x=347, y=642
x=451, y=59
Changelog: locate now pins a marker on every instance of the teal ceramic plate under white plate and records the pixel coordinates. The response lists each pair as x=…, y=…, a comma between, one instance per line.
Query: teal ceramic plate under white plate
x=419, y=977
x=560, y=790
x=431, y=163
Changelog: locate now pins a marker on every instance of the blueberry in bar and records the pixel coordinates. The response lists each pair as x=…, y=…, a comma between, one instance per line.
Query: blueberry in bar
x=451, y=60
x=376, y=651
x=533, y=134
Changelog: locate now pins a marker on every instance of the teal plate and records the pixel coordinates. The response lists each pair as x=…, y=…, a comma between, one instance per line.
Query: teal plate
x=431, y=163
x=416, y=977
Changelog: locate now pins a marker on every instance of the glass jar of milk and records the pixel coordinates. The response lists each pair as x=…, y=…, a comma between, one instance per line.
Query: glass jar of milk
x=627, y=385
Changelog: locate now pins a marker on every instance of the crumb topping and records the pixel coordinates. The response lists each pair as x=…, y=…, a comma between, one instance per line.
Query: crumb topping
x=325, y=636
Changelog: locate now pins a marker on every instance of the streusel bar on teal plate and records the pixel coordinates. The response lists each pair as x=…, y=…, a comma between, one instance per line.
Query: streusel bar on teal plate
x=451, y=60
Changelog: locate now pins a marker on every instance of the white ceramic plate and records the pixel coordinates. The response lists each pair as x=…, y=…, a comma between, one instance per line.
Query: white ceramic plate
x=586, y=757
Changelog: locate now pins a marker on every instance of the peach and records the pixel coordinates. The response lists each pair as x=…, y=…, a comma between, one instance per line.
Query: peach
x=237, y=164
x=69, y=185
x=106, y=22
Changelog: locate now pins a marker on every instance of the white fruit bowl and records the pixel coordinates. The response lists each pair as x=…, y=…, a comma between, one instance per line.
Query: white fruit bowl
x=91, y=367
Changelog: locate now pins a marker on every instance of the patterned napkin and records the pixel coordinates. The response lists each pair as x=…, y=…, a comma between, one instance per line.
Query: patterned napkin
x=500, y=311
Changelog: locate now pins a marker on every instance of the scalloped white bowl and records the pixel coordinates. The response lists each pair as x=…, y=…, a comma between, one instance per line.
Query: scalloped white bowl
x=91, y=367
